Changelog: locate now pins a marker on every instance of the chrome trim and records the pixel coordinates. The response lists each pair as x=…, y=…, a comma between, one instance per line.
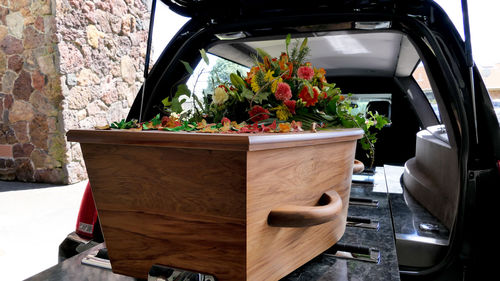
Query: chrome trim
x=372, y=25
x=231, y=35
x=422, y=239
x=369, y=223
x=92, y=260
x=372, y=256
x=354, y=201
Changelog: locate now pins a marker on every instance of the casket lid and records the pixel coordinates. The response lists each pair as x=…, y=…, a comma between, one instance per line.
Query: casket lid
x=236, y=142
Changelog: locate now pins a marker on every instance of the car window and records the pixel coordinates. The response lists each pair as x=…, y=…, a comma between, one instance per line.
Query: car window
x=206, y=77
x=484, y=46
x=376, y=102
x=166, y=25
x=420, y=76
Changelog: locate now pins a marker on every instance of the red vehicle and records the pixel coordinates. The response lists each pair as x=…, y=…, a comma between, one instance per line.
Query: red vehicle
x=88, y=231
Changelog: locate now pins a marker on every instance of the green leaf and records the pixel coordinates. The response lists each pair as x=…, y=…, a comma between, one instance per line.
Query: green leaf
x=381, y=121
x=188, y=67
x=166, y=102
x=331, y=85
x=287, y=41
x=182, y=89
x=303, y=45
x=176, y=106
x=331, y=107
x=263, y=53
x=261, y=97
x=200, y=105
x=204, y=56
x=157, y=120
x=246, y=93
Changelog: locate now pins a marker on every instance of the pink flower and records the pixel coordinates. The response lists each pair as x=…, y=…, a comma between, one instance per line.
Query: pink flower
x=291, y=105
x=305, y=72
x=283, y=92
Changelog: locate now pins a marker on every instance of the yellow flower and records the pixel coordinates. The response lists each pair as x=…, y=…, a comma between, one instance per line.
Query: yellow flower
x=282, y=112
x=274, y=86
x=269, y=76
x=255, y=84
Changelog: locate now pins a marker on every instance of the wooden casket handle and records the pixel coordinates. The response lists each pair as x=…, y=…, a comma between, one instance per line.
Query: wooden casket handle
x=302, y=216
x=358, y=167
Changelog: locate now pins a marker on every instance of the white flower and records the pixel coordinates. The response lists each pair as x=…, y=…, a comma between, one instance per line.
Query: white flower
x=220, y=96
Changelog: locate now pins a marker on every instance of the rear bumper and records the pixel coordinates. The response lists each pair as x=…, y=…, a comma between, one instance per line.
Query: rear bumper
x=73, y=245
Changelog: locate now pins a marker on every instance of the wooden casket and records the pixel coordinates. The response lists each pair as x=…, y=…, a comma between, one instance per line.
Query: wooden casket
x=236, y=206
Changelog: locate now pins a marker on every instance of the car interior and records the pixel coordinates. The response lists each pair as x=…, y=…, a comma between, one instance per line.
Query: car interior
x=377, y=66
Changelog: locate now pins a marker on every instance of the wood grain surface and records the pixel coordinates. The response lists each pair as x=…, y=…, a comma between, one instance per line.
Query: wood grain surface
x=179, y=207
x=206, y=209
x=293, y=176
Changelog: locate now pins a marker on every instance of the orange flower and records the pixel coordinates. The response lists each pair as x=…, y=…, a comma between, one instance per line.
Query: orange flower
x=283, y=61
x=285, y=127
x=267, y=63
x=306, y=97
x=250, y=74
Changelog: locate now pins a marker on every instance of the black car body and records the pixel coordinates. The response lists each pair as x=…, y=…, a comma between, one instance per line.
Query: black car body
x=420, y=31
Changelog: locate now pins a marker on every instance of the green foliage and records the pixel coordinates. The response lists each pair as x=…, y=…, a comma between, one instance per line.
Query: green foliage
x=204, y=56
x=123, y=124
x=188, y=68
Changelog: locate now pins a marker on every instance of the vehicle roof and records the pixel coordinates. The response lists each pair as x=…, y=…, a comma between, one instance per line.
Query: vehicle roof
x=384, y=53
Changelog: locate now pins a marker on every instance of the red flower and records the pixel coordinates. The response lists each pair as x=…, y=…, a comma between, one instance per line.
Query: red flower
x=283, y=92
x=291, y=105
x=307, y=98
x=305, y=72
x=258, y=113
x=225, y=120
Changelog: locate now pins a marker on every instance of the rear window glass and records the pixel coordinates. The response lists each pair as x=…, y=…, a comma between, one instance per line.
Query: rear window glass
x=376, y=102
x=206, y=77
x=484, y=45
x=166, y=25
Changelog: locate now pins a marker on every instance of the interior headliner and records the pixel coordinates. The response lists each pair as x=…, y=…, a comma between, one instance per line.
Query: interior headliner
x=340, y=53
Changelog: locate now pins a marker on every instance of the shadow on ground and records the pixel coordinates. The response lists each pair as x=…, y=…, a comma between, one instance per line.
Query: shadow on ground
x=17, y=186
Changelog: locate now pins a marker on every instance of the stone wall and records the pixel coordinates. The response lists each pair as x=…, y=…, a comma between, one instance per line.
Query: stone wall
x=64, y=64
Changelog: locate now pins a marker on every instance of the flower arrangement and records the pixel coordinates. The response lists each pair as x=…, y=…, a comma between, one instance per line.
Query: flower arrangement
x=278, y=95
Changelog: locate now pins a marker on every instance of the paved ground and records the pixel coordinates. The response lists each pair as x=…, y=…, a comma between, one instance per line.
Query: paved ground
x=34, y=220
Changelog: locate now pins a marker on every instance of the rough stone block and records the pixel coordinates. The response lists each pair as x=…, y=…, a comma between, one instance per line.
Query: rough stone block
x=22, y=86
x=24, y=170
x=39, y=130
x=55, y=176
x=11, y=45
x=6, y=151
x=21, y=111
x=15, y=24
x=22, y=150
x=15, y=63
x=47, y=64
x=21, y=131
